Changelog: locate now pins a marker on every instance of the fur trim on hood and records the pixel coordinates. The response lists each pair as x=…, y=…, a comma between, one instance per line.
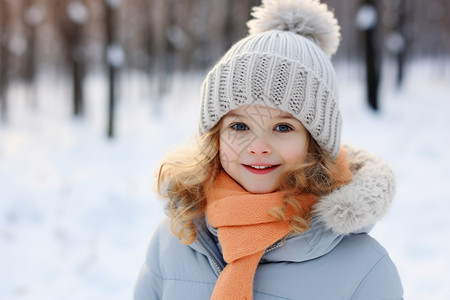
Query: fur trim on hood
x=363, y=201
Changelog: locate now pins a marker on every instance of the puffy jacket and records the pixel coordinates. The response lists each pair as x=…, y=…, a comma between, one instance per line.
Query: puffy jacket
x=334, y=259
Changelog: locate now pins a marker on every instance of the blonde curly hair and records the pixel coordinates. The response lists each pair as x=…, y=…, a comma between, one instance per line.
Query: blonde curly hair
x=184, y=173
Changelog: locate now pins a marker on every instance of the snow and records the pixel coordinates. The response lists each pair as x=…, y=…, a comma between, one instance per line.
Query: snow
x=395, y=42
x=115, y=56
x=77, y=12
x=177, y=37
x=77, y=210
x=35, y=15
x=17, y=45
x=366, y=17
x=114, y=4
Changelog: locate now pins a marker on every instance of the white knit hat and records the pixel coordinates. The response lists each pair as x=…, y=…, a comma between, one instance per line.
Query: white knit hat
x=284, y=63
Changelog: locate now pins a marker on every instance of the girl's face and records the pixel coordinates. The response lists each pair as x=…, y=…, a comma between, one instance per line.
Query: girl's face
x=258, y=144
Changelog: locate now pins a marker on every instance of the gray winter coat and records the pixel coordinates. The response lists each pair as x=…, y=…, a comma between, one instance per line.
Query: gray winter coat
x=335, y=259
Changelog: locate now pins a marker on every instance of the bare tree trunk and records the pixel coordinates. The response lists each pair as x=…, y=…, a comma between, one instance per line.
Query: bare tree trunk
x=159, y=17
x=370, y=23
x=72, y=15
x=4, y=36
x=239, y=15
x=112, y=62
x=401, y=29
x=33, y=16
x=30, y=72
x=372, y=70
x=77, y=76
x=183, y=19
x=78, y=68
x=217, y=21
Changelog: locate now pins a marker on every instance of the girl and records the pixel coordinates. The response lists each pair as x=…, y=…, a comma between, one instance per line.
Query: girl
x=269, y=205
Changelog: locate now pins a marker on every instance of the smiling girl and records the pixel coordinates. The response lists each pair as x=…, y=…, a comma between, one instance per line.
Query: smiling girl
x=269, y=205
x=277, y=143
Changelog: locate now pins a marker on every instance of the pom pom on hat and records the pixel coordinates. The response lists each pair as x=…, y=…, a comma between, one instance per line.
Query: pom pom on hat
x=308, y=18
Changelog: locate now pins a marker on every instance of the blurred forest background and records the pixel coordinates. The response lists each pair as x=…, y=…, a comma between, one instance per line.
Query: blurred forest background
x=77, y=208
x=157, y=38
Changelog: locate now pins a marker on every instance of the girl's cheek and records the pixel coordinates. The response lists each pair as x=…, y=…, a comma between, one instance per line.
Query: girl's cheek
x=294, y=154
x=235, y=143
x=227, y=154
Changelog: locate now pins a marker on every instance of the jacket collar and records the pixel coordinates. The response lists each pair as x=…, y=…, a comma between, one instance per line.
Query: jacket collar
x=306, y=246
x=362, y=202
x=353, y=208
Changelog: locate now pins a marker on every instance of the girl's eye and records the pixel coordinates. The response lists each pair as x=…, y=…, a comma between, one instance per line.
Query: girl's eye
x=283, y=128
x=239, y=126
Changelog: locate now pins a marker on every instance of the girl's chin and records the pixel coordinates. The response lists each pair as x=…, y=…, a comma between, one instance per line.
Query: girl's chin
x=260, y=190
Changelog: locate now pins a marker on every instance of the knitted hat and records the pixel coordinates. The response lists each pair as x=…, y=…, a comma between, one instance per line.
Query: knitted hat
x=284, y=63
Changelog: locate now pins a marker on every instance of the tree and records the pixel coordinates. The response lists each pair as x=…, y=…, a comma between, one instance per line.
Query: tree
x=4, y=38
x=72, y=15
x=367, y=20
x=402, y=39
x=33, y=16
x=159, y=16
x=114, y=58
x=218, y=18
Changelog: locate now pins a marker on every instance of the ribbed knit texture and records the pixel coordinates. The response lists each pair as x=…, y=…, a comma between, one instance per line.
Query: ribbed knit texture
x=278, y=69
x=281, y=68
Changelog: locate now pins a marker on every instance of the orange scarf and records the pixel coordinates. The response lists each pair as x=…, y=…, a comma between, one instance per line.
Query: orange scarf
x=246, y=229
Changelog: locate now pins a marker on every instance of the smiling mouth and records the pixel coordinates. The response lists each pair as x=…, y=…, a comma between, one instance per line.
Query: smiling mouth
x=261, y=167
x=258, y=169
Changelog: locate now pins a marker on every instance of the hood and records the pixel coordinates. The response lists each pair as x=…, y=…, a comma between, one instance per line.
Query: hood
x=353, y=208
x=362, y=202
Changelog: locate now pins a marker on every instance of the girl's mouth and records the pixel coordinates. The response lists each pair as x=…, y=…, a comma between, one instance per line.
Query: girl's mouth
x=258, y=169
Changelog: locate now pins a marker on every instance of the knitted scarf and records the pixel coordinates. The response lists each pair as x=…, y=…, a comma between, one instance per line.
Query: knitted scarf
x=246, y=229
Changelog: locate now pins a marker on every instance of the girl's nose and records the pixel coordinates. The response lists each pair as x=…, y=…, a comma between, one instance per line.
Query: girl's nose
x=259, y=146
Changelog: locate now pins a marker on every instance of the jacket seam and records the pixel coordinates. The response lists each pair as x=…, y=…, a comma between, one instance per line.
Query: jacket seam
x=181, y=280
x=189, y=281
x=157, y=275
x=368, y=273
x=271, y=295
x=210, y=283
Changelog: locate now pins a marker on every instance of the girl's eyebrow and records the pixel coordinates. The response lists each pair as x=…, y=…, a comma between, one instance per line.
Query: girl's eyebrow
x=233, y=114
x=286, y=116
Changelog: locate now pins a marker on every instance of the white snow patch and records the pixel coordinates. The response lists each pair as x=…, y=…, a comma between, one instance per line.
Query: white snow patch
x=77, y=12
x=77, y=210
x=366, y=17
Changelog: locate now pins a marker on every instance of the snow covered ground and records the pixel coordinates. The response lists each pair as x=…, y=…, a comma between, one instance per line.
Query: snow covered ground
x=77, y=210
